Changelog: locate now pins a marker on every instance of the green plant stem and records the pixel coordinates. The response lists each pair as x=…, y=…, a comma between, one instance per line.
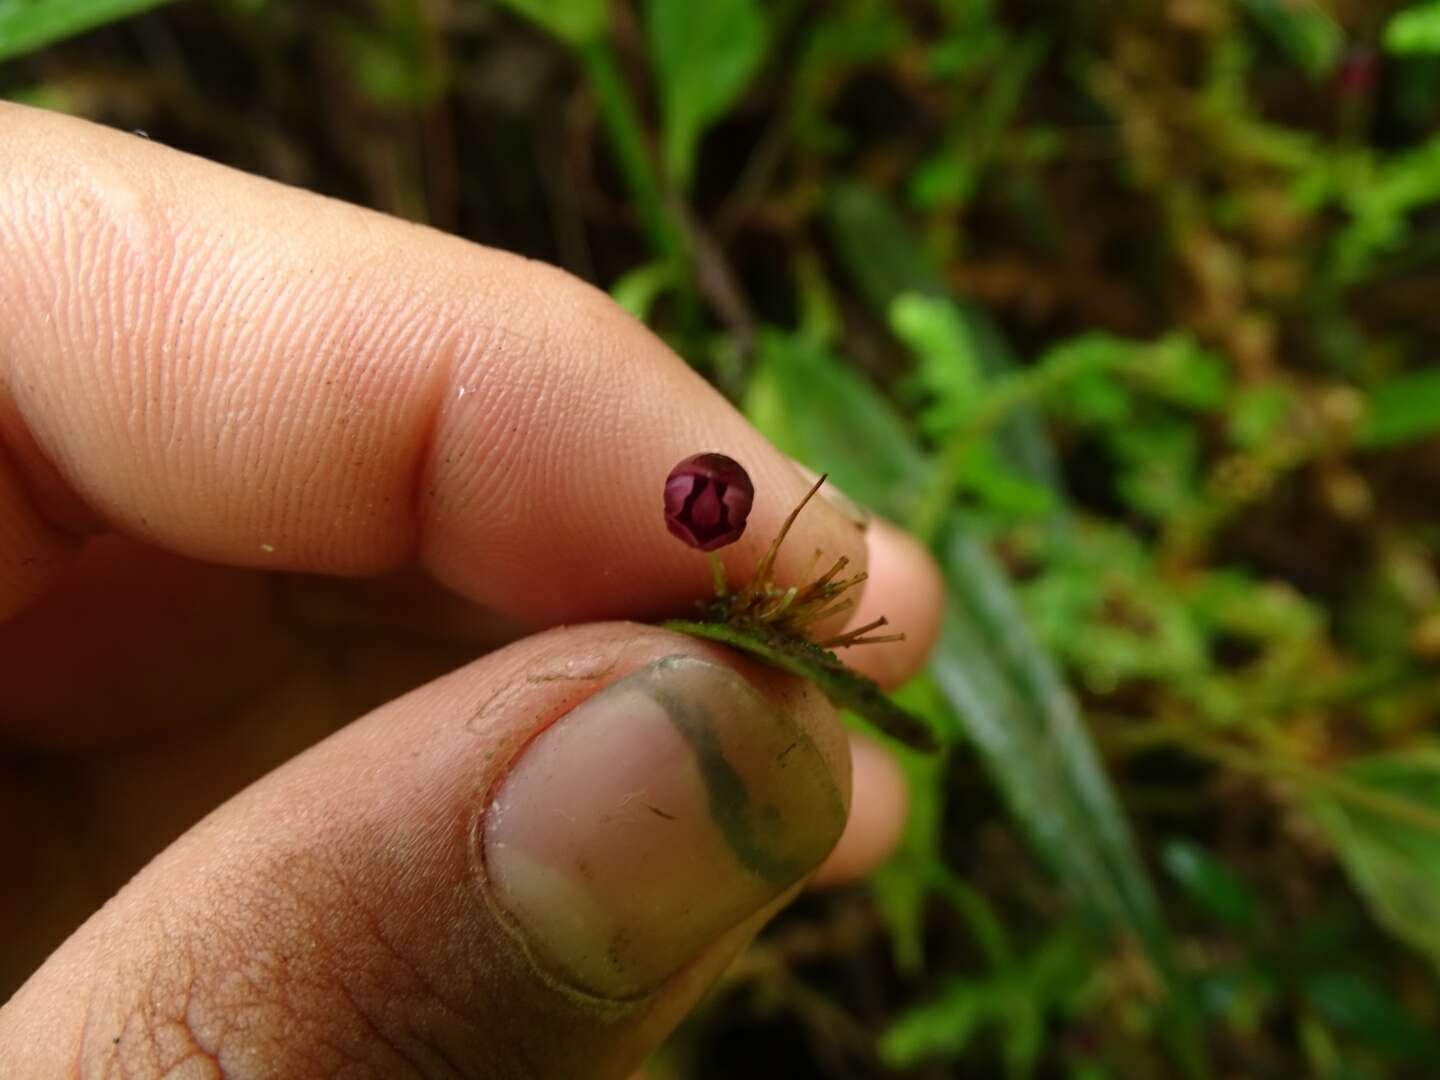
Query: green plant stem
x=1253, y=761
x=985, y=928
x=993, y=410
x=622, y=125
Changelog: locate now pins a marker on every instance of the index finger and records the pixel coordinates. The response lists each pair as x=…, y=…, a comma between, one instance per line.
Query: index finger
x=250, y=374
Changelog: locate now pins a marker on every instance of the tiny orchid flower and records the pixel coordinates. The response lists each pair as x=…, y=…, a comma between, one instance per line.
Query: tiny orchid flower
x=707, y=500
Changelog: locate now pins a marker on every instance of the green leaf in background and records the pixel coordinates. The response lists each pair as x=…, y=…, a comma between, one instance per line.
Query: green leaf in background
x=941, y=1028
x=1256, y=414
x=886, y=263
x=575, y=22
x=1017, y=1001
x=1007, y=692
x=1402, y=410
x=27, y=25
x=1308, y=33
x=637, y=290
x=1355, y=1004
x=1387, y=835
x=1210, y=884
x=1005, y=688
x=394, y=55
x=815, y=407
x=1380, y=202
x=951, y=175
x=1024, y=720
x=878, y=251
x=705, y=56
x=1415, y=30
x=947, y=370
x=1179, y=371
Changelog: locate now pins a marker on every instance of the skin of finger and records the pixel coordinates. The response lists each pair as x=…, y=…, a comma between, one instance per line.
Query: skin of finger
x=131, y=640
x=250, y=374
x=131, y=644
x=106, y=678
x=260, y=942
x=905, y=587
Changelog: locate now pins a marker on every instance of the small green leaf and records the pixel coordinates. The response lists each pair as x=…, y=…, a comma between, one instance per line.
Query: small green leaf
x=637, y=290
x=705, y=56
x=1403, y=410
x=947, y=367
x=1305, y=30
x=1380, y=204
x=1210, y=884
x=27, y=25
x=1386, y=832
x=1178, y=370
x=938, y=1029
x=1161, y=465
x=575, y=22
x=1415, y=30
x=847, y=689
x=1016, y=1001
x=816, y=409
x=1257, y=414
x=1359, y=1006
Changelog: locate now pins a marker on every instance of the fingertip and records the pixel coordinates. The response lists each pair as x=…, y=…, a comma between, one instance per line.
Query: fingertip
x=907, y=589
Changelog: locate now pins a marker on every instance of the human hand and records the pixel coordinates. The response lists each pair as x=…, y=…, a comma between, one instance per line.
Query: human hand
x=268, y=463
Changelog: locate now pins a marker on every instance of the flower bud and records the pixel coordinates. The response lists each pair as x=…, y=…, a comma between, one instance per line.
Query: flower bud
x=707, y=499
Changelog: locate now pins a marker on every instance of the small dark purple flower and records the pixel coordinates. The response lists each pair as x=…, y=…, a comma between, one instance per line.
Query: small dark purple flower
x=1358, y=74
x=707, y=499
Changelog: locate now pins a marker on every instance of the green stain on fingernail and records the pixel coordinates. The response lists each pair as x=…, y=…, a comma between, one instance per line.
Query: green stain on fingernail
x=745, y=824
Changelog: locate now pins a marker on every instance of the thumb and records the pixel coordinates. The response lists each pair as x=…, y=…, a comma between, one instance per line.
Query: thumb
x=530, y=867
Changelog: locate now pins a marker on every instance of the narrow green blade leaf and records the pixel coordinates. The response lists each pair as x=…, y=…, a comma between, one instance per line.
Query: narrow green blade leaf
x=1024, y=720
x=705, y=56
x=845, y=688
x=1304, y=30
x=1211, y=885
x=575, y=22
x=27, y=25
x=877, y=249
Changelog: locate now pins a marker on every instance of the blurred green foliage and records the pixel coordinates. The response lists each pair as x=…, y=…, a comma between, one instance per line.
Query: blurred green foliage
x=26, y=25
x=1127, y=310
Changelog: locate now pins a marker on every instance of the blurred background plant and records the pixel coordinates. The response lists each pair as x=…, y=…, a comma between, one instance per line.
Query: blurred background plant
x=1128, y=310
